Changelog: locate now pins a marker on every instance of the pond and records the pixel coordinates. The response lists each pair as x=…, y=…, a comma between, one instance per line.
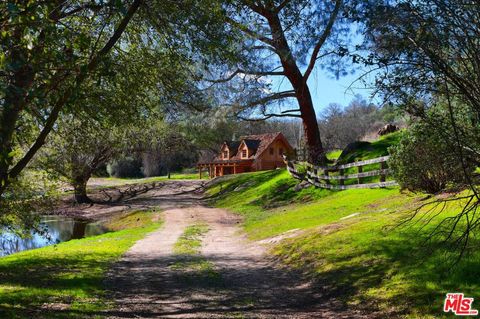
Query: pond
x=59, y=229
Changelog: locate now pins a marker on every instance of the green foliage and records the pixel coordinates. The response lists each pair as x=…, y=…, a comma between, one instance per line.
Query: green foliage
x=30, y=195
x=424, y=161
x=190, y=241
x=125, y=167
x=65, y=280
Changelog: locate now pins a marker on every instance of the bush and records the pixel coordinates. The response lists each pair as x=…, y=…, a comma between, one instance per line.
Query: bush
x=125, y=167
x=424, y=160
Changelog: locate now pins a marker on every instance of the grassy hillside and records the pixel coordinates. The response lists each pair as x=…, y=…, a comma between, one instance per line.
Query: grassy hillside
x=360, y=151
x=351, y=243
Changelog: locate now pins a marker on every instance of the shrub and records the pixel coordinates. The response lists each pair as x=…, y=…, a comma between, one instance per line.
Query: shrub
x=425, y=160
x=125, y=167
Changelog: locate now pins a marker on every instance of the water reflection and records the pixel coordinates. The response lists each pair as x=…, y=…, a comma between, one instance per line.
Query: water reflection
x=59, y=229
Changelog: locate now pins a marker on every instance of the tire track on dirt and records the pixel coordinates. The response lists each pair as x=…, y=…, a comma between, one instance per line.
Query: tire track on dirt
x=147, y=282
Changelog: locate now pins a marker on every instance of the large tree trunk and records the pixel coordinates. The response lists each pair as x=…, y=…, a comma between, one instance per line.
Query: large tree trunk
x=79, y=184
x=19, y=82
x=315, y=152
x=79, y=228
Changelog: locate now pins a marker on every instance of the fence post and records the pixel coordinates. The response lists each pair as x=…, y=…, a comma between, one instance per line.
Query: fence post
x=360, y=170
x=341, y=181
x=383, y=177
x=325, y=172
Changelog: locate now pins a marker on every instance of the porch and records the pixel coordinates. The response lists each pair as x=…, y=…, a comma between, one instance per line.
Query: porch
x=227, y=167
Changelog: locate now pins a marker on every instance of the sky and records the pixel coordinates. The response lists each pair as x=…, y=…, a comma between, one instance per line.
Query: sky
x=326, y=89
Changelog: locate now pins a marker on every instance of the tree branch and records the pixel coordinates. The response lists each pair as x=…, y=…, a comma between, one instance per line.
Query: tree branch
x=281, y=6
x=272, y=97
x=265, y=117
x=323, y=38
x=240, y=71
x=249, y=32
x=22, y=163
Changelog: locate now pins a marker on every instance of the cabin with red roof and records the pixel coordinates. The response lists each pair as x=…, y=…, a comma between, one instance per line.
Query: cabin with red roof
x=249, y=154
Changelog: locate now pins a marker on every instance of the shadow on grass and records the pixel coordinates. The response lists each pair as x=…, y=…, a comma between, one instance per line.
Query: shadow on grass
x=52, y=287
x=159, y=287
x=265, y=190
x=397, y=274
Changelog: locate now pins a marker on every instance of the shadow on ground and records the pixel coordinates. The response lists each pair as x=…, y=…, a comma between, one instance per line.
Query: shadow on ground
x=162, y=289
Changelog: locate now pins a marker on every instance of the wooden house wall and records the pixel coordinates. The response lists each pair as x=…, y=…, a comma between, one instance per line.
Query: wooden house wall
x=267, y=160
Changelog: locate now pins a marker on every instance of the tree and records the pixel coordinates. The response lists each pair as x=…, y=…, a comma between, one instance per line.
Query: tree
x=48, y=50
x=430, y=56
x=77, y=149
x=279, y=38
x=343, y=125
x=164, y=146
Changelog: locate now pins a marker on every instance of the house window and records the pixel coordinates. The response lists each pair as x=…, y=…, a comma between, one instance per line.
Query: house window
x=280, y=151
x=225, y=154
x=244, y=153
x=271, y=150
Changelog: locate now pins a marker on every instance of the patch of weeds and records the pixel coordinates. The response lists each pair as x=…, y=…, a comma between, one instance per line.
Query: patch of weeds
x=191, y=240
x=192, y=268
x=132, y=220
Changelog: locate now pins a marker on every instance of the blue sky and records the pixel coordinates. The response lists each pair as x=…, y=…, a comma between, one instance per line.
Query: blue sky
x=326, y=89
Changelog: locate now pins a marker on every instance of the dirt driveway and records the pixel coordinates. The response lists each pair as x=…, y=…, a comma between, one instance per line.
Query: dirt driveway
x=236, y=278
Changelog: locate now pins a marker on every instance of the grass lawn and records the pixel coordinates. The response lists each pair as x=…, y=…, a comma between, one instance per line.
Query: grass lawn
x=350, y=242
x=66, y=280
x=106, y=182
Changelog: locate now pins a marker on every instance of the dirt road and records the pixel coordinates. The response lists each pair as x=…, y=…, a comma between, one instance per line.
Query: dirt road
x=236, y=278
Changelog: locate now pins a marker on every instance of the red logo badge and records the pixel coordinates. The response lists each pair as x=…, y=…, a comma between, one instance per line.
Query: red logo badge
x=459, y=305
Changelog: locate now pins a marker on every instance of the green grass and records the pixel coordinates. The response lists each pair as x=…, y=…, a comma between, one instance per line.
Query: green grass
x=65, y=280
x=191, y=240
x=366, y=150
x=115, y=181
x=334, y=155
x=192, y=267
x=349, y=242
x=132, y=220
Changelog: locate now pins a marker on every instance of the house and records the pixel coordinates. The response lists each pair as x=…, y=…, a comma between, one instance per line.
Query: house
x=249, y=154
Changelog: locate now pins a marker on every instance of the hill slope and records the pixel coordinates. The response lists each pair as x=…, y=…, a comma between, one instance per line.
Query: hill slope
x=351, y=243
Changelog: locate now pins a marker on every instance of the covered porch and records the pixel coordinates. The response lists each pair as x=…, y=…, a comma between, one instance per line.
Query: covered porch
x=226, y=167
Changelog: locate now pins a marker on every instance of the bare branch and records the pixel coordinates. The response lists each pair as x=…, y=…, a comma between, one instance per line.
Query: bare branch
x=265, y=117
x=281, y=6
x=290, y=111
x=249, y=32
x=240, y=71
x=323, y=38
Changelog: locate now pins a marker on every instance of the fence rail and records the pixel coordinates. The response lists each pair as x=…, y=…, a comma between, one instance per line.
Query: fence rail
x=319, y=176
